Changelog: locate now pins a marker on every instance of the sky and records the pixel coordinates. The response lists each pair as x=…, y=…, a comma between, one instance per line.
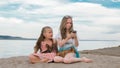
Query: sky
x=93, y=19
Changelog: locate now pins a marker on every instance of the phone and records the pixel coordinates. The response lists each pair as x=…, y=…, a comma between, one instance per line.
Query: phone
x=74, y=31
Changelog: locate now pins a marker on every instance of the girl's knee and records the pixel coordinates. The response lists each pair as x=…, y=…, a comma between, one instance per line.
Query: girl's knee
x=30, y=56
x=67, y=61
x=58, y=59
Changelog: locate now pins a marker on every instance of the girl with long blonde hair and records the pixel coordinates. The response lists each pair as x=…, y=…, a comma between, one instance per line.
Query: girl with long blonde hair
x=68, y=42
x=47, y=46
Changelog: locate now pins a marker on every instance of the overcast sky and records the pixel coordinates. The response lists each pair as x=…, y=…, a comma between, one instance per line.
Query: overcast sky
x=93, y=19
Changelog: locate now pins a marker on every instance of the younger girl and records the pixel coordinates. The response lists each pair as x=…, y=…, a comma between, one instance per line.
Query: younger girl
x=47, y=46
x=68, y=42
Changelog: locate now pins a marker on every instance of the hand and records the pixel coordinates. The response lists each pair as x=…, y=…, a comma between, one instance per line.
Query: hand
x=43, y=44
x=34, y=53
x=73, y=35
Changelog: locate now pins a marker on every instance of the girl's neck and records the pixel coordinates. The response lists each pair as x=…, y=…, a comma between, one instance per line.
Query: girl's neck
x=67, y=31
x=46, y=39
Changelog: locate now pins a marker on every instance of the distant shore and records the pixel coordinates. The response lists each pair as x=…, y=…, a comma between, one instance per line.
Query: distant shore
x=102, y=58
x=19, y=39
x=7, y=37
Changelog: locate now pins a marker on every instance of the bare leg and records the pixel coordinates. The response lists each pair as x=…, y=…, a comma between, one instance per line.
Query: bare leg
x=34, y=59
x=58, y=59
x=70, y=58
x=84, y=59
x=44, y=60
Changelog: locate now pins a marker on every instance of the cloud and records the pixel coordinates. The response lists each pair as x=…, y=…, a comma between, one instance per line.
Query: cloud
x=92, y=21
x=105, y=3
x=18, y=27
x=35, y=2
x=10, y=20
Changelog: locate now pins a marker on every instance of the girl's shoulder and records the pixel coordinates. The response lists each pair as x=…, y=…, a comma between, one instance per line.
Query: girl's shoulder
x=54, y=40
x=43, y=43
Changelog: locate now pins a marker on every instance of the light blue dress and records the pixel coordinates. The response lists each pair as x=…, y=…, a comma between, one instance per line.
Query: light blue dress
x=69, y=44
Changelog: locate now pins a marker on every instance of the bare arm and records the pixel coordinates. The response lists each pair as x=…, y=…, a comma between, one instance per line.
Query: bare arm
x=76, y=43
x=35, y=49
x=55, y=45
x=61, y=42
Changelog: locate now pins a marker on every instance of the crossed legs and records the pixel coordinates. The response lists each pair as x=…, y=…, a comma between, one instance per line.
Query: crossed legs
x=34, y=59
x=70, y=58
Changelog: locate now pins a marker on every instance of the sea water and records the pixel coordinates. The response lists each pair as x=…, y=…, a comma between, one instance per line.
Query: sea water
x=11, y=48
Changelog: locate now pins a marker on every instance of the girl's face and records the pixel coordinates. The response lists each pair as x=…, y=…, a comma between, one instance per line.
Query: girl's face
x=68, y=23
x=48, y=33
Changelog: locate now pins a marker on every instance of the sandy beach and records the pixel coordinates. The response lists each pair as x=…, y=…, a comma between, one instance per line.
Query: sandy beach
x=102, y=58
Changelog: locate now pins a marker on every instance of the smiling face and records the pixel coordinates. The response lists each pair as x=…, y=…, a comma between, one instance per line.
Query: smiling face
x=48, y=33
x=68, y=23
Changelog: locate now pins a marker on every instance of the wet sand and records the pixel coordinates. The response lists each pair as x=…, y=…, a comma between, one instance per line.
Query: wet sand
x=102, y=58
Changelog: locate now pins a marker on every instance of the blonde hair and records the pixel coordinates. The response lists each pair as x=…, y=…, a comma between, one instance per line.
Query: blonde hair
x=63, y=26
x=41, y=38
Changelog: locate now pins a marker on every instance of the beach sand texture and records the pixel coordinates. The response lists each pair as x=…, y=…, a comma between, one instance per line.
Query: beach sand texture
x=102, y=58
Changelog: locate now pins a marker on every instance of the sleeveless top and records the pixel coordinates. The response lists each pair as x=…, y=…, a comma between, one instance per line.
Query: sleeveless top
x=69, y=44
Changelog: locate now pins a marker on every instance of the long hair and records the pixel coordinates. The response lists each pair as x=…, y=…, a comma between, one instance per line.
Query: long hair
x=63, y=26
x=41, y=38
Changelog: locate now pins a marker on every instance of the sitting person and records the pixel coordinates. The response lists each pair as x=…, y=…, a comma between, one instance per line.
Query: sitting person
x=47, y=46
x=68, y=43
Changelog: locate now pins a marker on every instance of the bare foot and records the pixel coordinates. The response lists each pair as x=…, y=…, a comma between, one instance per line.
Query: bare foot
x=86, y=60
x=44, y=60
x=32, y=62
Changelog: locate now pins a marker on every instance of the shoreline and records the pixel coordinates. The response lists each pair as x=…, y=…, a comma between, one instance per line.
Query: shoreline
x=110, y=51
x=102, y=58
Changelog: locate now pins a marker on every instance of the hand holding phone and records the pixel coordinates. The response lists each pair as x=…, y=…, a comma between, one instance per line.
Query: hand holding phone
x=74, y=31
